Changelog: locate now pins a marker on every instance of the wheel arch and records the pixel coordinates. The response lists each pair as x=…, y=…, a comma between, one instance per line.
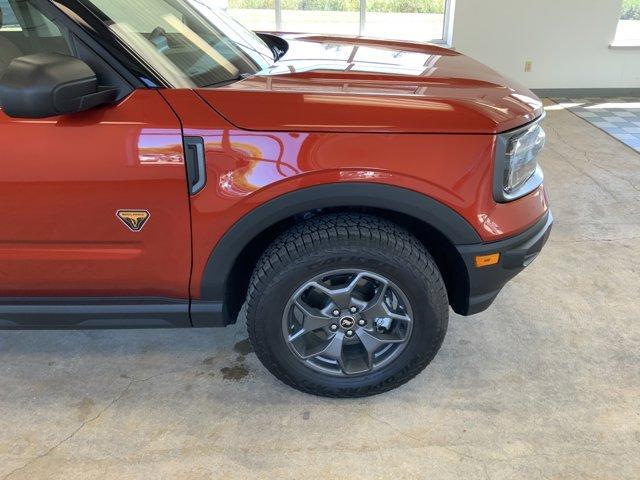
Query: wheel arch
x=226, y=274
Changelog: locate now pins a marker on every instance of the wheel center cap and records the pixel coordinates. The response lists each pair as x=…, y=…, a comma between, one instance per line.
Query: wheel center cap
x=347, y=322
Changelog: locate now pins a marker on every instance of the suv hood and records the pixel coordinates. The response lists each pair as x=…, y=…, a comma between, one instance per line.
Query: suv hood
x=333, y=83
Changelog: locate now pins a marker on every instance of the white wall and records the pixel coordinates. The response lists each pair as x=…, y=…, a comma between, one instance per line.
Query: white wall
x=567, y=41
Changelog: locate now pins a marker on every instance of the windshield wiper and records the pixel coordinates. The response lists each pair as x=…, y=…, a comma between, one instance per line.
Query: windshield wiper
x=229, y=81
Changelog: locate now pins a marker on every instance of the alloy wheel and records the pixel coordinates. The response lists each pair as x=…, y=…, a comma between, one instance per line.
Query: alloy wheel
x=347, y=322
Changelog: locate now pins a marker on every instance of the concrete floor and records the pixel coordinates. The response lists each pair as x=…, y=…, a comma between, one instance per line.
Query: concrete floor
x=546, y=384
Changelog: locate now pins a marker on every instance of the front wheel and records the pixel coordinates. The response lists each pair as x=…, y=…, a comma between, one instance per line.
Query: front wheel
x=346, y=305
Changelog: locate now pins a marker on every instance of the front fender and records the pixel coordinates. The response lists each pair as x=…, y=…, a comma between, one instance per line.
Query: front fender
x=391, y=198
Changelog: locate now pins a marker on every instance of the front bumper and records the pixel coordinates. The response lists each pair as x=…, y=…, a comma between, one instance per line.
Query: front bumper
x=516, y=253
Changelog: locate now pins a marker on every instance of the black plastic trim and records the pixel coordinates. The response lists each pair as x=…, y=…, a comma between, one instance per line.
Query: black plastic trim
x=516, y=253
x=46, y=84
x=96, y=312
x=278, y=45
x=387, y=197
x=195, y=163
x=206, y=314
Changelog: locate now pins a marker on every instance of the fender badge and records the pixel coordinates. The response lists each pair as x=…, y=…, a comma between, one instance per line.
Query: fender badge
x=133, y=219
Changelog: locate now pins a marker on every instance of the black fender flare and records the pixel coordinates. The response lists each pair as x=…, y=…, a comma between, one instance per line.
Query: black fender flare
x=401, y=200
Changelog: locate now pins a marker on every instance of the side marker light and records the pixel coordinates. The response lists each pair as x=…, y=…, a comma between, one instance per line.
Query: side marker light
x=487, y=260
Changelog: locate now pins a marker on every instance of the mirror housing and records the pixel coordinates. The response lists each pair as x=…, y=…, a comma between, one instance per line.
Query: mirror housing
x=49, y=84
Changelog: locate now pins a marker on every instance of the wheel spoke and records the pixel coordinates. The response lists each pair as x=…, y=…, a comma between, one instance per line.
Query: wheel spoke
x=341, y=297
x=377, y=308
x=333, y=350
x=373, y=341
x=397, y=316
x=313, y=319
x=349, y=364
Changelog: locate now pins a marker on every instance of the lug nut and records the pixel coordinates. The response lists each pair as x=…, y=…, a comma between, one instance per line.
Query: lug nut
x=349, y=333
x=353, y=309
x=334, y=328
x=362, y=322
x=336, y=312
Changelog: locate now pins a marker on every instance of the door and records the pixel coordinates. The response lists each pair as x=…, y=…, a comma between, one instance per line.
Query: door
x=93, y=204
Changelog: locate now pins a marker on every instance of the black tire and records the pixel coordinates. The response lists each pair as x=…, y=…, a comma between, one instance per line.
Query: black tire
x=330, y=242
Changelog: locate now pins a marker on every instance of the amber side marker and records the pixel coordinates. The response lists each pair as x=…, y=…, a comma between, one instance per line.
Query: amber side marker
x=487, y=260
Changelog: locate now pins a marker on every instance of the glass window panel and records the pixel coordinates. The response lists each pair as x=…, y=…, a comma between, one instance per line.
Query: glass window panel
x=36, y=34
x=629, y=26
x=405, y=19
x=258, y=15
x=8, y=20
x=418, y=20
x=189, y=42
x=321, y=16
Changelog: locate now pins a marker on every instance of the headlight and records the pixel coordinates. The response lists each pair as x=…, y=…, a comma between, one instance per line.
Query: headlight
x=516, y=169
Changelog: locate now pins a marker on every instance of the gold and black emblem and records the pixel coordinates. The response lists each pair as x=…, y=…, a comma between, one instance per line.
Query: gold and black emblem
x=133, y=219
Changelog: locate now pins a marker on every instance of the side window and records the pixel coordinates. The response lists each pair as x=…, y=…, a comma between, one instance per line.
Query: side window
x=628, y=33
x=25, y=30
x=8, y=20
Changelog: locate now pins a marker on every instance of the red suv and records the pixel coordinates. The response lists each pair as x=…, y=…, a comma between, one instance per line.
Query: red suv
x=162, y=166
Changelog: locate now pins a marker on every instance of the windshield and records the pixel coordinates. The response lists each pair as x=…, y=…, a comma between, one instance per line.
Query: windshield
x=189, y=43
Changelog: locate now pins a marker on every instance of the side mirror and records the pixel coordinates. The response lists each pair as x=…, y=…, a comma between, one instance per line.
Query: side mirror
x=48, y=84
